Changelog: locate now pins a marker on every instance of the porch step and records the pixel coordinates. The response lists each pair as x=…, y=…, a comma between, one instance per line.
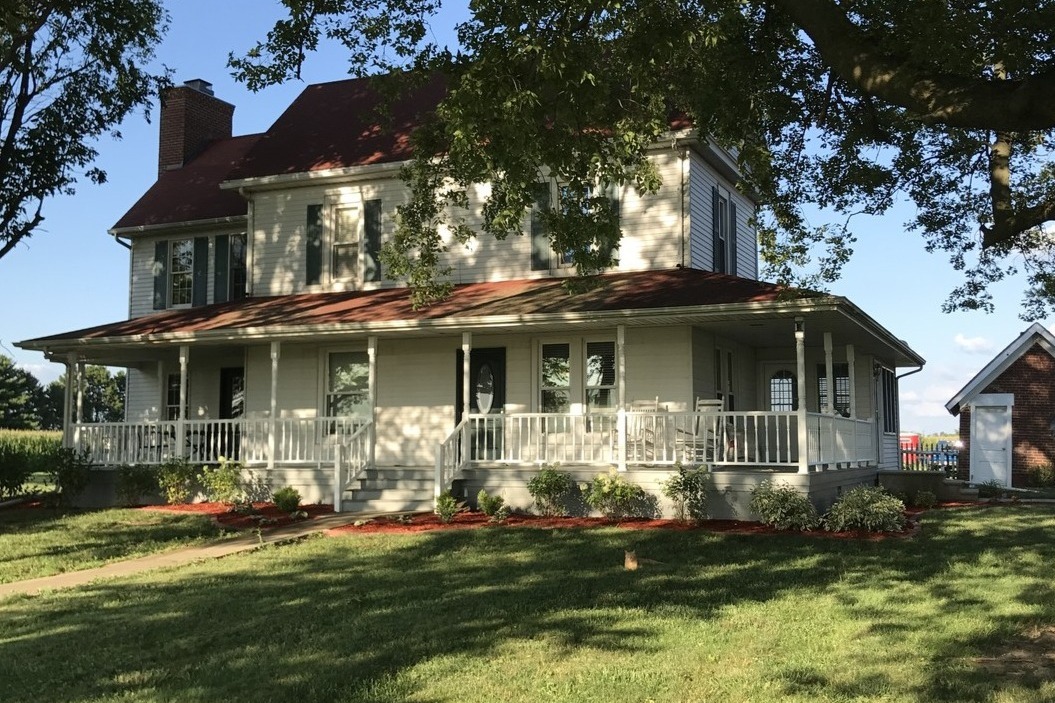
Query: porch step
x=391, y=489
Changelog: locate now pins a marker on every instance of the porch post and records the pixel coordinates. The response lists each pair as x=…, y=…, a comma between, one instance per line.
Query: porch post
x=371, y=439
x=68, y=430
x=853, y=397
x=80, y=392
x=620, y=360
x=467, y=350
x=829, y=374
x=181, y=423
x=800, y=359
x=276, y=348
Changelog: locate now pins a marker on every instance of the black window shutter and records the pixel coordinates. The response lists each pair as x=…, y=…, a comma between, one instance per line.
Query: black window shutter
x=313, y=264
x=161, y=279
x=372, y=233
x=222, y=269
x=732, y=238
x=541, y=250
x=716, y=243
x=200, y=292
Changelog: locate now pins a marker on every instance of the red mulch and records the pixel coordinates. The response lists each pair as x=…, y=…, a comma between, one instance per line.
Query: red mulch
x=264, y=515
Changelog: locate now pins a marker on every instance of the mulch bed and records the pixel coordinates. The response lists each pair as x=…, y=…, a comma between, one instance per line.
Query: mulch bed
x=264, y=515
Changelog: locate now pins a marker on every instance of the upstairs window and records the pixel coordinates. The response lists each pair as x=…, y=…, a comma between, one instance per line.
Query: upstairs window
x=723, y=216
x=352, y=235
x=229, y=273
x=548, y=196
x=180, y=270
x=345, y=262
x=841, y=376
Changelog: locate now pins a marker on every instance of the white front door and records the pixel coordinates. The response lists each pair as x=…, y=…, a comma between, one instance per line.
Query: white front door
x=991, y=438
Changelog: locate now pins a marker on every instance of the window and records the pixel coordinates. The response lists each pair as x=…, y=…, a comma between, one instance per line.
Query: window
x=347, y=384
x=345, y=263
x=172, y=397
x=229, y=275
x=600, y=375
x=783, y=392
x=841, y=375
x=181, y=272
x=572, y=203
x=724, y=378
x=723, y=216
x=541, y=251
x=555, y=381
x=237, y=276
x=888, y=384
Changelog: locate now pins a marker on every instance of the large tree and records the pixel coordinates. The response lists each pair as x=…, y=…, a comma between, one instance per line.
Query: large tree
x=20, y=397
x=842, y=105
x=70, y=72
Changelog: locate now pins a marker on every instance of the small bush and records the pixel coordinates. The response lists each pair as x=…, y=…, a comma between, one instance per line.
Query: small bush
x=687, y=489
x=71, y=472
x=925, y=499
x=223, y=482
x=1042, y=475
x=286, y=499
x=549, y=488
x=447, y=507
x=783, y=507
x=134, y=482
x=23, y=453
x=991, y=489
x=866, y=508
x=176, y=478
x=613, y=496
x=490, y=505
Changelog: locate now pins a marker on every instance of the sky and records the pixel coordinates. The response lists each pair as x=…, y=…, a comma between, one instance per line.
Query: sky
x=72, y=274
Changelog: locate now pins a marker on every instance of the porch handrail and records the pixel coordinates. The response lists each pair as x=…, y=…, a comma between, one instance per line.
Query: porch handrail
x=451, y=457
x=351, y=458
x=836, y=441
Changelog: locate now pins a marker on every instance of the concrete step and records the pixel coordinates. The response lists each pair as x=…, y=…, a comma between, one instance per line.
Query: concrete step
x=387, y=505
x=418, y=473
x=416, y=484
x=392, y=494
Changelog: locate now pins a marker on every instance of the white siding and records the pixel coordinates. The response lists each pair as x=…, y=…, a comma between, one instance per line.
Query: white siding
x=299, y=389
x=142, y=394
x=659, y=363
x=702, y=178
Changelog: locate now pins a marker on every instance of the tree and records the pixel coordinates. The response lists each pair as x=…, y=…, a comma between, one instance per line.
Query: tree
x=20, y=397
x=843, y=106
x=103, y=400
x=70, y=71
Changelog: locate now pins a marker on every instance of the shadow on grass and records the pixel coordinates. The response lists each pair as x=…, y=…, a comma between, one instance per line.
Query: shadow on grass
x=352, y=618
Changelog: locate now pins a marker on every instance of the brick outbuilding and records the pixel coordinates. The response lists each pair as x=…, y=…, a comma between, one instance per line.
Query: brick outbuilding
x=1007, y=413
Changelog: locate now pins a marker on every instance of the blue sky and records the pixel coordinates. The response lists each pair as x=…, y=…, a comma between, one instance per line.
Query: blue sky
x=71, y=274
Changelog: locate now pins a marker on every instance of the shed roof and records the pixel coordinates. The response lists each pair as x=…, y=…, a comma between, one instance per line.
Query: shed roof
x=1035, y=334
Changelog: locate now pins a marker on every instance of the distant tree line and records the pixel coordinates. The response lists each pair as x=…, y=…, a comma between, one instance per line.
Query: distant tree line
x=26, y=404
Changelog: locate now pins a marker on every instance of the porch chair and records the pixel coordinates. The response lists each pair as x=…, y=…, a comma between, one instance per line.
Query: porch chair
x=641, y=433
x=697, y=445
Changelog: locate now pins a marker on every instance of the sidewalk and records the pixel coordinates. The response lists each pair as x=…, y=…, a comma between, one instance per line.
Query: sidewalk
x=180, y=557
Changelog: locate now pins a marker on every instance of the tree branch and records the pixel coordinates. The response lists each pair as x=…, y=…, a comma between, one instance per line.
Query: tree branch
x=1021, y=105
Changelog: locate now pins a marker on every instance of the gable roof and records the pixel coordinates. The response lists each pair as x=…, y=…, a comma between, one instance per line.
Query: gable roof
x=338, y=125
x=191, y=193
x=1035, y=334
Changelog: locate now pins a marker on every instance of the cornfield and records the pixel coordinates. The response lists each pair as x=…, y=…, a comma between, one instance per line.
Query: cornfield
x=23, y=453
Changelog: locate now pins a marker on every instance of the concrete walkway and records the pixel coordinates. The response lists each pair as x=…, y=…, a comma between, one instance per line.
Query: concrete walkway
x=179, y=557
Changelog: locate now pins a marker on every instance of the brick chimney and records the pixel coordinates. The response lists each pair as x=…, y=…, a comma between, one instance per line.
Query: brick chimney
x=191, y=117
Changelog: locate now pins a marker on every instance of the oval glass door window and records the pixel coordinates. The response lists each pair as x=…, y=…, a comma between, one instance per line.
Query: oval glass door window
x=485, y=388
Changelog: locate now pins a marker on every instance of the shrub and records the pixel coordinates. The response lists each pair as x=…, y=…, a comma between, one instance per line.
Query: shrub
x=490, y=505
x=175, y=478
x=223, y=482
x=783, y=507
x=71, y=472
x=991, y=489
x=866, y=508
x=549, y=488
x=286, y=499
x=687, y=489
x=23, y=453
x=613, y=496
x=447, y=507
x=1042, y=475
x=134, y=482
x=925, y=499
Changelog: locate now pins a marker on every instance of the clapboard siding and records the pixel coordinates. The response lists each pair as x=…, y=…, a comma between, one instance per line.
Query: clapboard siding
x=141, y=285
x=702, y=178
x=142, y=394
x=659, y=364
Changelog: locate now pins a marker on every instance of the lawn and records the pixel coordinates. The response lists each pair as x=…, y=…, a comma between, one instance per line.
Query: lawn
x=961, y=613
x=41, y=541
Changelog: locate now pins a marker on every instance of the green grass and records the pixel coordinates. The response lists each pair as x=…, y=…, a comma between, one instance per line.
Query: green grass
x=531, y=616
x=41, y=541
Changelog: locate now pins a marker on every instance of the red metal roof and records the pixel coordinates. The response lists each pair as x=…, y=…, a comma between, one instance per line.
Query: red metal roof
x=192, y=192
x=340, y=124
x=640, y=290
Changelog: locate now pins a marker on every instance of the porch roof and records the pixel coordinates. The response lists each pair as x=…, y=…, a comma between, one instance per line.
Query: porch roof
x=745, y=308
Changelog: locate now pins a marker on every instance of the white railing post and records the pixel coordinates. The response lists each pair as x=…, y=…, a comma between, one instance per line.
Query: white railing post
x=181, y=417
x=275, y=352
x=438, y=476
x=338, y=482
x=800, y=359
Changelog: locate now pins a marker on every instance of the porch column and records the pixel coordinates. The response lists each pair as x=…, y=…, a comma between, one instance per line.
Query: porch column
x=829, y=374
x=800, y=359
x=276, y=348
x=828, y=437
x=853, y=398
x=80, y=392
x=467, y=350
x=620, y=361
x=181, y=418
x=68, y=430
x=371, y=352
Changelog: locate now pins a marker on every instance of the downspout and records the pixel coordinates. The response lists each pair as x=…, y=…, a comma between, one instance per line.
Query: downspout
x=898, y=380
x=684, y=156
x=249, y=248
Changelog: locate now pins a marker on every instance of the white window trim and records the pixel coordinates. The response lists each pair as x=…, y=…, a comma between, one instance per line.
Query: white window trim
x=333, y=203
x=324, y=374
x=558, y=267
x=170, y=271
x=577, y=388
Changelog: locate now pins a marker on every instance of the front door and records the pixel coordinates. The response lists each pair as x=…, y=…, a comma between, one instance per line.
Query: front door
x=991, y=439
x=487, y=396
x=226, y=439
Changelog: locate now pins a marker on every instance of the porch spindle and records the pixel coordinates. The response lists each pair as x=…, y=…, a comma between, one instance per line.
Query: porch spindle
x=853, y=398
x=829, y=376
x=800, y=359
x=276, y=348
x=181, y=418
x=371, y=351
x=620, y=358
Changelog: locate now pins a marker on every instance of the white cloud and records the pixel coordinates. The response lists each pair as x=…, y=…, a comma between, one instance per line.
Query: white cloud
x=973, y=345
x=44, y=373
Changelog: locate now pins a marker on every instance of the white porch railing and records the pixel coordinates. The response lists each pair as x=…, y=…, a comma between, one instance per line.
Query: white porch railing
x=298, y=441
x=351, y=457
x=836, y=440
x=452, y=457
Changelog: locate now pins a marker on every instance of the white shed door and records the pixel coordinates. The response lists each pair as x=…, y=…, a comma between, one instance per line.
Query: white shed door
x=991, y=443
